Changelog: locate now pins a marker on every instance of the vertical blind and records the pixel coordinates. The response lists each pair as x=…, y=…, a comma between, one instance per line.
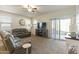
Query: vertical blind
x=5, y=23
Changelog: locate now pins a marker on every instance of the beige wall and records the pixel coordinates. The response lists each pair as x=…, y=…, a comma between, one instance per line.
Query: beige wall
x=65, y=13
x=15, y=19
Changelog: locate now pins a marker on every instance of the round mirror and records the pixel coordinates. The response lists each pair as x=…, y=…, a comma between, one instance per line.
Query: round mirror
x=22, y=22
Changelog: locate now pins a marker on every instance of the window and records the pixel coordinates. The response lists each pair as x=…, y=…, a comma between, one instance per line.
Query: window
x=5, y=26
x=5, y=23
x=77, y=22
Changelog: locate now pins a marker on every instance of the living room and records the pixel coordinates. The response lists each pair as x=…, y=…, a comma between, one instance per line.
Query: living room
x=25, y=26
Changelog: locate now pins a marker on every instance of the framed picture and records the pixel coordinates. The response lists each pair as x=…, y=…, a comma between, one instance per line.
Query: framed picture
x=22, y=22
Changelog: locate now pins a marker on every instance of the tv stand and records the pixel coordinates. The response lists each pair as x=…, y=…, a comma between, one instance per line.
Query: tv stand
x=42, y=32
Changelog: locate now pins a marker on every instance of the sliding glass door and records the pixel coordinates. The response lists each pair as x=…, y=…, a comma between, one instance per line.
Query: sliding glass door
x=60, y=28
x=55, y=28
x=64, y=28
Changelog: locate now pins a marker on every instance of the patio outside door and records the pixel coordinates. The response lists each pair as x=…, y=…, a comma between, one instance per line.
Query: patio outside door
x=60, y=27
x=64, y=28
x=55, y=28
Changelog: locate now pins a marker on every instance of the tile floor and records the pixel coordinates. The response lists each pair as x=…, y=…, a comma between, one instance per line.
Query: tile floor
x=42, y=45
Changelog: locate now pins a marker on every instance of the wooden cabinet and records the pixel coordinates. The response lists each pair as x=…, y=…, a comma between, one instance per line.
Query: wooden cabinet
x=42, y=32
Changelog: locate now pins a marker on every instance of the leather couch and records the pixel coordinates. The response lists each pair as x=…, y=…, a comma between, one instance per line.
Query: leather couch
x=21, y=32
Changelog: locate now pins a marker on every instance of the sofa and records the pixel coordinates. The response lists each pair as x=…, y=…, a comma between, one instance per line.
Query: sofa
x=21, y=32
x=14, y=44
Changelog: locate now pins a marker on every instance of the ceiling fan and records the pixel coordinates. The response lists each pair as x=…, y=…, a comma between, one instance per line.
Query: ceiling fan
x=30, y=8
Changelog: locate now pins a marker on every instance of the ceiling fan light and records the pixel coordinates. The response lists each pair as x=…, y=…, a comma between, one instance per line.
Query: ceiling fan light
x=29, y=10
x=34, y=9
x=25, y=6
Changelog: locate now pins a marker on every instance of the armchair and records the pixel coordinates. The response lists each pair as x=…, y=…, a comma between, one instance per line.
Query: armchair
x=14, y=44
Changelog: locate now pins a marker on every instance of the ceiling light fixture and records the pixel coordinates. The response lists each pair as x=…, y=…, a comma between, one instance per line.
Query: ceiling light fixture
x=30, y=8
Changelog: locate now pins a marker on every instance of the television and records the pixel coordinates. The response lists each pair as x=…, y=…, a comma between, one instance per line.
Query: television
x=44, y=25
x=41, y=25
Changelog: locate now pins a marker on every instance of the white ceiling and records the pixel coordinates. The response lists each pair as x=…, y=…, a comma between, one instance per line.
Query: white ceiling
x=41, y=9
